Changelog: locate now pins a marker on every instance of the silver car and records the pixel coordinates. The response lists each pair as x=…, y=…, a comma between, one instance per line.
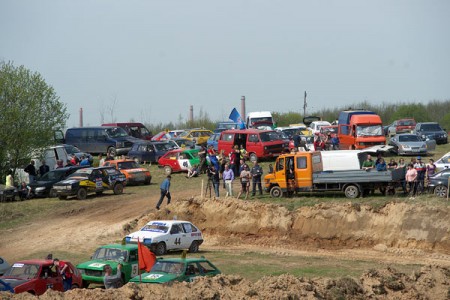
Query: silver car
x=411, y=144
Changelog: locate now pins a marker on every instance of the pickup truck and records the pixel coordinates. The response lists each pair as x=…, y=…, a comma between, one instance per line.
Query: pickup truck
x=303, y=172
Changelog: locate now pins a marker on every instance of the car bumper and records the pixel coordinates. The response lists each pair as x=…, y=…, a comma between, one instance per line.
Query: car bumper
x=137, y=180
x=411, y=152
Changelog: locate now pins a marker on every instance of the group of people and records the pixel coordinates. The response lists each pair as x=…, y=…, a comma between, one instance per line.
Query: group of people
x=416, y=172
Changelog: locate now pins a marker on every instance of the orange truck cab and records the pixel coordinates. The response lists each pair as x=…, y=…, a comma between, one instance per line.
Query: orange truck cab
x=362, y=131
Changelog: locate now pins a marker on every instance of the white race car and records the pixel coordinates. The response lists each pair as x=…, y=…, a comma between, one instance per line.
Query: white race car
x=161, y=236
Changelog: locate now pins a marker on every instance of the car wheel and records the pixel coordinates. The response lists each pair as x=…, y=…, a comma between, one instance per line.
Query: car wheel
x=81, y=194
x=194, y=247
x=440, y=191
x=52, y=194
x=351, y=191
x=74, y=286
x=99, y=193
x=167, y=170
x=275, y=192
x=148, y=180
x=62, y=197
x=112, y=151
x=85, y=284
x=160, y=249
x=253, y=158
x=118, y=189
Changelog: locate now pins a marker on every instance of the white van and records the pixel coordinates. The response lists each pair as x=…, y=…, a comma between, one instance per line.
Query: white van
x=260, y=120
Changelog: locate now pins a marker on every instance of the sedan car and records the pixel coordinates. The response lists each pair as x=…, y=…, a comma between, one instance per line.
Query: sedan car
x=177, y=269
x=443, y=162
x=162, y=236
x=438, y=183
x=8, y=193
x=113, y=254
x=35, y=276
x=432, y=131
x=4, y=266
x=150, y=152
x=410, y=144
x=179, y=160
x=132, y=171
x=43, y=186
x=90, y=180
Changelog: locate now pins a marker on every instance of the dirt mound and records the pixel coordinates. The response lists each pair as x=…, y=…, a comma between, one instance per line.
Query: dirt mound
x=430, y=283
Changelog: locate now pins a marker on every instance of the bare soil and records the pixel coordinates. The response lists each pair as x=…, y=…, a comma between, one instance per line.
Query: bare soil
x=397, y=233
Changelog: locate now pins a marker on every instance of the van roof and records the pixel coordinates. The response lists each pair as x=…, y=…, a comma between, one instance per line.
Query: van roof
x=123, y=124
x=249, y=130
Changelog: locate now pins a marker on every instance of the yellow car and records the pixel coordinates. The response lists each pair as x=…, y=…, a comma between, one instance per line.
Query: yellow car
x=200, y=136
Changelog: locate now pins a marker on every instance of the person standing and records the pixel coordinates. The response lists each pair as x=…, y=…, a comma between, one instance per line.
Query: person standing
x=228, y=177
x=431, y=169
x=257, y=172
x=421, y=171
x=43, y=168
x=213, y=177
x=101, y=160
x=235, y=155
x=31, y=170
x=203, y=164
x=165, y=191
x=9, y=180
x=411, y=178
x=402, y=166
x=112, y=281
x=245, y=182
x=64, y=270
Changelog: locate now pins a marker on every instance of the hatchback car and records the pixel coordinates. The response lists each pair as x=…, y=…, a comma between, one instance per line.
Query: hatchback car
x=432, y=131
x=177, y=269
x=411, y=144
x=200, y=136
x=179, y=160
x=438, y=183
x=134, y=173
x=149, y=152
x=162, y=236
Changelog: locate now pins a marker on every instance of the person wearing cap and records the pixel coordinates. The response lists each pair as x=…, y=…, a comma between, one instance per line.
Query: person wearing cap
x=165, y=191
x=421, y=169
x=245, y=182
x=411, y=177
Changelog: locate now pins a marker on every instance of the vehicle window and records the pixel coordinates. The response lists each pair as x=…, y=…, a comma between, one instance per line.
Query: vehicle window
x=23, y=271
x=192, y=269
x=431, y=127
x=71, y=149
x=375, y=130
x=161, y=147
x=82, y=173
x=52, y=175
x=269, y=136
x=253, y=138
x=156, y=227
x=227, y=137
x=206, y=267
x=188, y=228
x=280, y=164
x=128, y=165
x=168, y=267
x=110, y=254
x=133, y=256
x=301, y=162
x=176, y=228
x=110, y=171
x=191, y=155
x=409, y=138
x=172, y=156
x=116, y=132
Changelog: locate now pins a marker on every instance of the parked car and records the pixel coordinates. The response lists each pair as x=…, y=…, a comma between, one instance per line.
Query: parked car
x=4, y=266
x=432, y=131
x=177, y=269
x=113, y=254
x=438, y=183
x=149, y=152
x=134, y=173
x=8, y=194
x=443, y=162
x=183, y=143
x=161, y=136
x=200, y=136
x=178, y=160
x=164, y=235
x=411, y=144
x=35, y=276
x=90, y=180
x=175, y=133
x=401, y=126
x=316, y=125
x=137, y=130
x=214, y=141
x=43, y=186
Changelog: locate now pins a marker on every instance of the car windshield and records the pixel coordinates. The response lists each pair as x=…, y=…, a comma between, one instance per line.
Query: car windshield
x=168, y=267
x=52, y=175
x=262, y=119
x=128, y=165
x=113, y=254
x=155, y=227
x=24, y=271
x=407, y=123
x=269, y=136
x=374, y=130
x=116, y=132
x=409, y=138
x=82, y=173
x=185, y=143
x=71, y=149
x=430, y=127
x=163, y=147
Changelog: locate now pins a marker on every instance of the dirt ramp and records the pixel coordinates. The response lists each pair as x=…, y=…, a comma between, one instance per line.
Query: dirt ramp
x=324, y=225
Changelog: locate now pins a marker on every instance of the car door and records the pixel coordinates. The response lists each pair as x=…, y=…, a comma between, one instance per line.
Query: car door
x=177, y=237
x=192, y=271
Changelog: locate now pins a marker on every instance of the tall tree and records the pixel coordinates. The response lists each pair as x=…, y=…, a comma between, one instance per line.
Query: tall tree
x=30, y=112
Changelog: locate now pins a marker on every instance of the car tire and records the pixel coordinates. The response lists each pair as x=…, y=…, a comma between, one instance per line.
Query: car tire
x=351, y=191
x=440, y=191
x=276, y=192
x=81, y=194
x=52, y=194
x=194, y=247
x=167, y=170
x=62, y=197
x=74, y=286
x=160, y=249
x=85, y=284
x=112, y=151
x=99, y=193
x=148, y=181
x=253, y=158
x=118, y=189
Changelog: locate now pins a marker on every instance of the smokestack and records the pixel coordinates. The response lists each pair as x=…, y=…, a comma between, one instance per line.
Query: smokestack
x=243, y=107
x=191, y=114
x=81, y=117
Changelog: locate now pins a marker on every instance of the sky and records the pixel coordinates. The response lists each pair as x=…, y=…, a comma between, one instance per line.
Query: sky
x=149, y=61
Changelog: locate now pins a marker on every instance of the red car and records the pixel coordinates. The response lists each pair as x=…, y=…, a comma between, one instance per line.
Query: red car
x=161, y=136
x=35, y=276
x=179, y=160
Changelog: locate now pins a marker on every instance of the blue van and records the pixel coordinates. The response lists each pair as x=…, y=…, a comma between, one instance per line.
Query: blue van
x=100, y=139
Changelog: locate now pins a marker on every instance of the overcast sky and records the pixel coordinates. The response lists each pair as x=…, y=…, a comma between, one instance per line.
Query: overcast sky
x=154, y=59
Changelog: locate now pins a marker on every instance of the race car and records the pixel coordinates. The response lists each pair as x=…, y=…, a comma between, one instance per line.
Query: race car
x=90, y=180
x=113, y=254
x=132, y=171
x=35, y=276
x=177, y=269
x=179, y=160
x=161, y=236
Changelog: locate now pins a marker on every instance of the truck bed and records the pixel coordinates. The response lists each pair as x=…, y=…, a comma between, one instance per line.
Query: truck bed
x=357, y=176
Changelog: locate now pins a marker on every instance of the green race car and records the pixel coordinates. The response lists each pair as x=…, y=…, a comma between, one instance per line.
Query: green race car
x=113, y=254
x=177, y=269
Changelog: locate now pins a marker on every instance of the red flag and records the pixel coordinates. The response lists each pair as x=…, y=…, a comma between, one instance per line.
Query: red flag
x=146, y=257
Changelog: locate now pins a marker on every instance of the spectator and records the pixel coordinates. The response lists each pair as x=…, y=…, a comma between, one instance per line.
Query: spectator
x=69, y=163
x=228, y=177
x=213, y=177
x=411, y=177
x=381, y=165
x=24, y=191
x=9, y=179
x=43, y=168
x=431, y=168
x=335, y=142
x=192, y=172
x=31, y=170
x=59, y=164
x=112, y=281
x=257, y=172
x=234, y=160
x=421, y=171
x=165, y=191
x=101, y=160
x=64, y=270
x=202, y=155
x=392, y=164
x=368, y=164
x=84, y=161
x=245, y=182
x=402, y=165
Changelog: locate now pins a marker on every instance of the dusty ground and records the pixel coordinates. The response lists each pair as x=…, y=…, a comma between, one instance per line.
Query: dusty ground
x=397, y=233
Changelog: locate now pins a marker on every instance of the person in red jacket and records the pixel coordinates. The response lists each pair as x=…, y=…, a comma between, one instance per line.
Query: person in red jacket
x=64, y=270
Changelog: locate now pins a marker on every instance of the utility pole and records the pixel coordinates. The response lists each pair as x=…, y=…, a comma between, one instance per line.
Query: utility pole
x=304, y=106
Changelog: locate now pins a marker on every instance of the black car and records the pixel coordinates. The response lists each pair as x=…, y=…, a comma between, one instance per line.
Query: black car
x=438, y=183
x=43, y=185
x=432, y=131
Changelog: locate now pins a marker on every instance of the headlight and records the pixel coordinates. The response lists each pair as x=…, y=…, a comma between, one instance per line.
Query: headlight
x=424, y=136
x=127, y=239
x=40, y=189
x=120, y=144
x=405, y=146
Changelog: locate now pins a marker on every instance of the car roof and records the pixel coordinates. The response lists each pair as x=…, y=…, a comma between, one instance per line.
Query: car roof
x=120, y=246
x=120, y=160
x=184, y=260
x=168, y=222
x=248, y=130
x=35, y=262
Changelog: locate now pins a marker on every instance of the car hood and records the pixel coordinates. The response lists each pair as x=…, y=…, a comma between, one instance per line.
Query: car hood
x=14, y=282
x=144, y=234
x=413, y=144
x=71, y=180
x=432, y=132
x=132, y=171
x=41, y=184
x=97, y=264
x=155, y=277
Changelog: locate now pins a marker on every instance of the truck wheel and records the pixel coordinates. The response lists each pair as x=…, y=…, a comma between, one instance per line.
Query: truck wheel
x=275, y=192
x=160, y=249
x=440, y=191
x=253, y=158
x=112, y=151
x=81, y=194
x=351, y=191
x=167, y=170
x=118, y=189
